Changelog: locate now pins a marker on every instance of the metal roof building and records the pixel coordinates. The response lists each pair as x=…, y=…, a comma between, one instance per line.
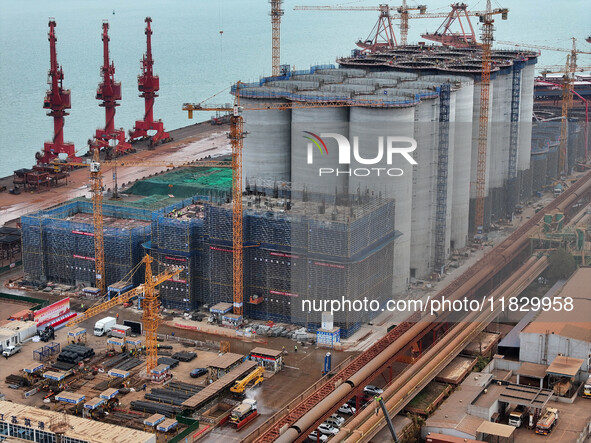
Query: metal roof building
x=34, y=424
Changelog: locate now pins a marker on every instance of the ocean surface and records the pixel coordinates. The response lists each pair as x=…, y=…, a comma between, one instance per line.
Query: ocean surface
x=195, y=59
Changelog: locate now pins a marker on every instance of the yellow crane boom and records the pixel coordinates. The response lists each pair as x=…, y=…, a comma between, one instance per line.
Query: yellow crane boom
x=255, y=376
x=150, y=306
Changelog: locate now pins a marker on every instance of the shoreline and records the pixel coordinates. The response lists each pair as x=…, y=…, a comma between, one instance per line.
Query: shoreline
x=189, y=143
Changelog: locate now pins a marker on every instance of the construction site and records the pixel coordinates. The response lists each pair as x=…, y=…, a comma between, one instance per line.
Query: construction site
x=194, y=299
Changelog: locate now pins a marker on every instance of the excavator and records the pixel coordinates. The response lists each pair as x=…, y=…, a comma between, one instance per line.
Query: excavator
x=255, y=376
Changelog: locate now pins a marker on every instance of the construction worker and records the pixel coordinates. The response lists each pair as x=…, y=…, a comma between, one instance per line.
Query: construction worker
x=295, y=348
x=117, y=315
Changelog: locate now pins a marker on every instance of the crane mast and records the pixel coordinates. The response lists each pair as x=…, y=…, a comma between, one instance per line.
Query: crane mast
x=148, y=85
x=237, y=142
x=276, y=13
x=97, y=218
x=57, y=100
x=109, y=91
x=487, y=39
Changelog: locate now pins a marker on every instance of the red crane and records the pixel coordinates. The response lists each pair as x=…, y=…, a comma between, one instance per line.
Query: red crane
x=148, y=85
x=109, y=91
x=58, y=100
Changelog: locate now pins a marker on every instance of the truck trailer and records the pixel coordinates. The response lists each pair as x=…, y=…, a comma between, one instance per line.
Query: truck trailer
x=120, y=331
x=104, y=326
x=244, y=413
x=547, y=421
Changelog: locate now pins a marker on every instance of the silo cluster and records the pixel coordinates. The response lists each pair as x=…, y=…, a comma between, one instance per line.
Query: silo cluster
x=428, y=94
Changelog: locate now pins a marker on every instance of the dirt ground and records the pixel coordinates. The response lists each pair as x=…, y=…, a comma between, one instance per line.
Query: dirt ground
x=301, y=369
x=7, y=308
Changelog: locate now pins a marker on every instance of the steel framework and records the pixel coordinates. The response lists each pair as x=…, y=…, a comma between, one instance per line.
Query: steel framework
x=57, y=99
x=151, y=304
x=276, y=13
x=462, y=39
x=109, y=91
x=567, y=97
x=382, y=36
x=148, y=85
x=442, y=176
x=487, y=39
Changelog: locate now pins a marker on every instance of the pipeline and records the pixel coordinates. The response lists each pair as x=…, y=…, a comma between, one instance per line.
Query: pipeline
x=404, y=388
x=345, y=388
x=471, y=280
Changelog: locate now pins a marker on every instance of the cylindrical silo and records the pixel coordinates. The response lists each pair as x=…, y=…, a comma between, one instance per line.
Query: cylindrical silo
x=474, y=156
x=526, y=107
x=499, y=141
x=314, y=145
x=424, y=176
x=539, y=162
x=399, y=75
x=266, y=153
x=462, y=138
x=369, y=124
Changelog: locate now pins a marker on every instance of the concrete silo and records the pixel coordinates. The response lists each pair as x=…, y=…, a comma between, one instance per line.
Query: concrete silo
x=368, y=124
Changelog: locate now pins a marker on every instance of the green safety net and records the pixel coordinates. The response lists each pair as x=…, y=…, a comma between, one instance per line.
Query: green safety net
x=184, y=183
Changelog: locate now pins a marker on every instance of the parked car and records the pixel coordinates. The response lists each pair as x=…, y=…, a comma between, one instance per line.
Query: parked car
x=372, y=390
x=328, y=429
x=347, y=409
x=198, y=372
x=11, y=350
x=336, y=420
x=316, y=436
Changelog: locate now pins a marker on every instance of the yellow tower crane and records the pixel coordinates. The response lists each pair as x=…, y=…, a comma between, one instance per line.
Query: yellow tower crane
x=567, y=97
x=487, y=39
x=236, y=136
x=276, y=13
x=382, y=36
x=150, y=307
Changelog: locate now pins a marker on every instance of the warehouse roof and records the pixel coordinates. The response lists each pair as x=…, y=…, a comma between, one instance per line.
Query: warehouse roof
x=266, y=351
x=226, y=360
x=533, y=370
x=572, y=322
x=565, y=366
x=219, y=385
x=496, y=429
x=76, y=428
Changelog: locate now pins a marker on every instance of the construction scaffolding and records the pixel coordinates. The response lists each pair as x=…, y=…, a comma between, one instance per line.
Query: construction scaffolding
x=442, y=168
x=58, y=244
x=315, y=246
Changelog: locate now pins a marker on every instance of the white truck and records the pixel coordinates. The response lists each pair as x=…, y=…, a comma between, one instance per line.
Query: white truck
x=11, y=350
x=104, y=326
x=120, y=331
x=517, y=416
x=243, y=413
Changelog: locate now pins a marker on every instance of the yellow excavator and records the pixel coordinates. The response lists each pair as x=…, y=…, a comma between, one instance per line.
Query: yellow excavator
x=255, y=376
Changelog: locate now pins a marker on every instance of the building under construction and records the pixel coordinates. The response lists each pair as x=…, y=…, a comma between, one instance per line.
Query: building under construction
x=297, y=247
x=58, y=244
x=318, y=225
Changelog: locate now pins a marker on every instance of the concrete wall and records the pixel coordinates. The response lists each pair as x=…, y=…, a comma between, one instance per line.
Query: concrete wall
x=533, y=345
